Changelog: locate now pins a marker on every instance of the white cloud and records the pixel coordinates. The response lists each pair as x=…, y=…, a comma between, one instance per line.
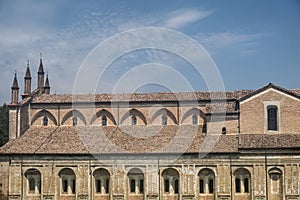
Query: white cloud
x=215, y=42
x=183, y=17
x=65, y=47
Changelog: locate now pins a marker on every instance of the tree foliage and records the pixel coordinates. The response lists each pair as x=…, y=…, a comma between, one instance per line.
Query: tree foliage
x=4, y=123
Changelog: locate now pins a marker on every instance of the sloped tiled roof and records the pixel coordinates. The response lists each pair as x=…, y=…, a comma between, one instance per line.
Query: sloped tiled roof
x=124, y=139
x=293, y=93
x=138, y=97
x=139, y=139
x=262, y=141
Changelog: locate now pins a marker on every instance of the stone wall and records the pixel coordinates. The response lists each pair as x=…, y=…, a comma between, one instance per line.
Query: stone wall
x=225, y=169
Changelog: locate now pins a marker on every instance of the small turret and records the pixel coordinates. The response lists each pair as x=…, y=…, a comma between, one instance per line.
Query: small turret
x=27, y=83
x=41, y=74
x=15, y=91
x=47, y=86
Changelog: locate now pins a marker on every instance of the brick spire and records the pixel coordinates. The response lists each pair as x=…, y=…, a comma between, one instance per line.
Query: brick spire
x=27, y=83
x=41, y=74
x=15, y=84
x=47, y=85
x=15, y=91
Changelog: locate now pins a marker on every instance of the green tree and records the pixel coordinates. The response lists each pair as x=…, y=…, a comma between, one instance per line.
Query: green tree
x=4, y=120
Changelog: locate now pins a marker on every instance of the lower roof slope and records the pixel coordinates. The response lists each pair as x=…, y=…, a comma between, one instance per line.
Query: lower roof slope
x=269, y=141
x=139, y=139
x=118, y=140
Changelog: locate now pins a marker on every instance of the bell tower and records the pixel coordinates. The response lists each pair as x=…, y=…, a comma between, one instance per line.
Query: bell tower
x=14, y=110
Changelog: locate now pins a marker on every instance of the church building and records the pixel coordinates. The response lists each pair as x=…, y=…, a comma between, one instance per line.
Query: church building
x=237, y=145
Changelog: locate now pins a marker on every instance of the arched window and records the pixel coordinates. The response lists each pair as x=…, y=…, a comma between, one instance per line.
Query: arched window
x=171, y=181
x=133, y=120
x=275, y=183
x=45, y=121
x=75, y=121
x=242, y=181
x=68, y=181
x=136, y=181
x=195, y=119
x=272, y=118
x=33, y=177
x=104, y=120
x=102, y=179
x=206, y=181
x=164, y=119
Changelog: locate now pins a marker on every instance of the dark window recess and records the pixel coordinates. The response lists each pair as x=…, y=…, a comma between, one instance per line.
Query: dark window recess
x=31, y=185
x=39, y=186
x=167, y=185
x=75, y=120
x=272, y=118
x=133, y=120
x=107, y=186
x=132, y=185
x=176, y=190
x=211, y=186
x=65, y=185
x=164, y=120
x=45, y=121
x=237, y=185
x=201, y=186
x=224, y=130
x=98, y=186
x=104, y=120
x=204, y=128
x=246, y=185
x=74, y=186
x=141, y=186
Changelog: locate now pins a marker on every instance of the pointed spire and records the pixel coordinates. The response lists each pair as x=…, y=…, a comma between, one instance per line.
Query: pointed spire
x=41, y=73
x=41, y=67
x=15, y=91
x=47, y=85
x=27, y=82
x=15, y=84
x=47, y=81
x=27, y=74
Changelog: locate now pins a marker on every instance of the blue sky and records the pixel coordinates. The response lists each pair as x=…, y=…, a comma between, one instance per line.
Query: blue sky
x=251, y=42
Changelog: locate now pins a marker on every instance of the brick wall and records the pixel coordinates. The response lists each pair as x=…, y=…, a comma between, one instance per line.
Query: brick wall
x=253, y=117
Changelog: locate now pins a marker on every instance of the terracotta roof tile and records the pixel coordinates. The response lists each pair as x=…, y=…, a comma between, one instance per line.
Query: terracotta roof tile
x=124, y=139
x=139, y=139
x=257, y=141
x=180, y=96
